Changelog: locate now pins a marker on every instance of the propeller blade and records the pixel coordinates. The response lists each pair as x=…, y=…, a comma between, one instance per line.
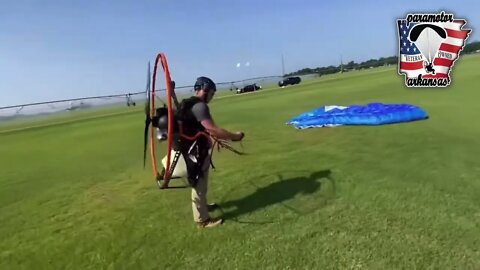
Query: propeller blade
x=145, y=139
x=148, y=119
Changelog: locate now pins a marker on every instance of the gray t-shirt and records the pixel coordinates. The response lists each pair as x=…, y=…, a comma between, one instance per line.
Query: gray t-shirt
x=201, y=111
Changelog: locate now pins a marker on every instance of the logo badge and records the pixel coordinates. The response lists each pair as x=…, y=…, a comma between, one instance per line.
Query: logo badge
x=429, y=44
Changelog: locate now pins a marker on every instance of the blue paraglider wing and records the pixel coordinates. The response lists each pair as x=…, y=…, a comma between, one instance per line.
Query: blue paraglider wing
x=370, y=114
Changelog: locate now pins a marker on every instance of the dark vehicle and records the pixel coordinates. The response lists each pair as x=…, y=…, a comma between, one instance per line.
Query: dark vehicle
x=289, y=81
x=249, y=88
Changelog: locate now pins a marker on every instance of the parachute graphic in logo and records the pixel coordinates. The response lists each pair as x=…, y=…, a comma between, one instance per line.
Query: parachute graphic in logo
x=428, y=38
x=429, y=44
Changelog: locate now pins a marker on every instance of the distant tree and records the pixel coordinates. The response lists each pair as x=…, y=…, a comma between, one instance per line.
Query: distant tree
x=382, y=61
x=350, y=65
x=472, y=47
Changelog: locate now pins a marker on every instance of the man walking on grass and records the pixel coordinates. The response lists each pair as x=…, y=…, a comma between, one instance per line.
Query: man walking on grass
x=195, y=118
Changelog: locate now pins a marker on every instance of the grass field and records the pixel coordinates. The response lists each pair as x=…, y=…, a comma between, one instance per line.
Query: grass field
x=74, y=194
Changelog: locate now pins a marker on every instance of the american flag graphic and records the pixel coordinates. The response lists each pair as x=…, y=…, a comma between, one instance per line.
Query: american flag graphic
x=413, y=62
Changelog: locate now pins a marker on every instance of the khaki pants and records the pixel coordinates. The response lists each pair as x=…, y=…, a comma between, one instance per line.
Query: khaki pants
x=199, y=194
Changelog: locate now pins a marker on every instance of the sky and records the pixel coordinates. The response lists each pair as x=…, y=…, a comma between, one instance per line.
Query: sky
x=64, y=49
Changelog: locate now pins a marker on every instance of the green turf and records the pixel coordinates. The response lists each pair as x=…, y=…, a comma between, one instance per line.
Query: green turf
x=402, y=196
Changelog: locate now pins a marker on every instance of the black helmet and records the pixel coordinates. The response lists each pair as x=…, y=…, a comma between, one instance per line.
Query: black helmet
x=204, y=83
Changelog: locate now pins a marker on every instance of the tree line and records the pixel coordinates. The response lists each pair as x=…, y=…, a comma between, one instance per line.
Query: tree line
x=472, y=47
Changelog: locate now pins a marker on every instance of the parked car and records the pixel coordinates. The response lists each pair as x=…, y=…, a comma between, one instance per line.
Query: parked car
x=249, y=88
x=289, y=81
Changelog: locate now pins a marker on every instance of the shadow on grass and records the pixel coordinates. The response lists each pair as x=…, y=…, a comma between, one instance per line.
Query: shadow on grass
x=274, y=194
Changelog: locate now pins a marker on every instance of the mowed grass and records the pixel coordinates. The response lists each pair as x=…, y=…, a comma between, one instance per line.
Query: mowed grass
x=401, y=196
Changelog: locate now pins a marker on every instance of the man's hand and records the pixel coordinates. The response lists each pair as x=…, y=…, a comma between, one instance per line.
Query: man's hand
x=221, y=133
x=238, y=136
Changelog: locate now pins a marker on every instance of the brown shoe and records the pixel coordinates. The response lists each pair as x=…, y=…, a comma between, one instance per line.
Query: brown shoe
x=209, y=223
